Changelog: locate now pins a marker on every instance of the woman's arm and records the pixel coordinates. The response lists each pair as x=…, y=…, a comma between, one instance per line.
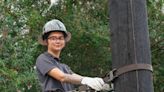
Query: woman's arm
x=63, y=77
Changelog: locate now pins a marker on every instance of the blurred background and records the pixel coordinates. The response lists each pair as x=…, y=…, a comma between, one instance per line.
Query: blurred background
x=88, y=52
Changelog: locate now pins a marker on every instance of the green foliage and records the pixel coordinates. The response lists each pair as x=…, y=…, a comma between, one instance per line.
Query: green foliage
x=21, y=23
x=156, y=27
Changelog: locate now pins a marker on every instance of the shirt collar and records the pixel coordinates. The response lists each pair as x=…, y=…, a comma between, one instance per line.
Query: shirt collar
x=58, y=59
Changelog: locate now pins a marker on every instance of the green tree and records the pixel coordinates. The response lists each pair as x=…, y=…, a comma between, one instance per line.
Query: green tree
x=156, y=28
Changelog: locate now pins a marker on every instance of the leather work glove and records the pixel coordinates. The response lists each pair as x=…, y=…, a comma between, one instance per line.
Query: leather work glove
x=94, y=83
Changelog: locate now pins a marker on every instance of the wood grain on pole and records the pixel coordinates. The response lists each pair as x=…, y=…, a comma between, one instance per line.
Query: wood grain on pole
x=130, y=44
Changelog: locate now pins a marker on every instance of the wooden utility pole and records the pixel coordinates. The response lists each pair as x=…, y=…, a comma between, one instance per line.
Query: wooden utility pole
x=130, y=45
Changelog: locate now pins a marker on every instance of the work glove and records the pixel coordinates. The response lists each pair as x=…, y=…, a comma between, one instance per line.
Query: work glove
x=107, y=87
x=94, y=83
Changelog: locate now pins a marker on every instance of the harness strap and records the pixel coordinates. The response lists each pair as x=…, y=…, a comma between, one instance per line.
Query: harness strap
x=112, y=75
x=133, y=67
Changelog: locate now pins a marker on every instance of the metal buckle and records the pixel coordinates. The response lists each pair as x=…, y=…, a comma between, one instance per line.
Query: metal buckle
x=110, y=76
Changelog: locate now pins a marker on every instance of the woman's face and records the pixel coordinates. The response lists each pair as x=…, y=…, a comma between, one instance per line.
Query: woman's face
x=56, y=41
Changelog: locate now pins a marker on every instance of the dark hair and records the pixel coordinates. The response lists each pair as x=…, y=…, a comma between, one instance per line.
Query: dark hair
x=46, y=35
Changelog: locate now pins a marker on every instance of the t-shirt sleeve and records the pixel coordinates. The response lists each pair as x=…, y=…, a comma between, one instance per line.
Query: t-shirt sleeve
x=44, y=65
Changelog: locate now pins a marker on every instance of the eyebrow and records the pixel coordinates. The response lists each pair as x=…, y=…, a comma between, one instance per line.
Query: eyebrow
x=56, y=36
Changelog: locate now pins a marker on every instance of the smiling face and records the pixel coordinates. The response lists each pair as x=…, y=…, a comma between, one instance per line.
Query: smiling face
x=56, y=42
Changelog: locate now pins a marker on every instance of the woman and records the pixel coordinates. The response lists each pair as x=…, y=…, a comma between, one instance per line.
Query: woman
x=53, y=75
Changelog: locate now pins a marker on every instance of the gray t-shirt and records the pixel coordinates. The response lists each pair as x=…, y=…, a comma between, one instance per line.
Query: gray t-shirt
x=44, y=63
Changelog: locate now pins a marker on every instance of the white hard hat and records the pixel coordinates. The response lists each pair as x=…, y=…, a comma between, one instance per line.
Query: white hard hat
x=54, y=26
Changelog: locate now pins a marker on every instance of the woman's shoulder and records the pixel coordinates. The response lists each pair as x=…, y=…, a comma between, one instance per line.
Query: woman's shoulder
x=42, y=55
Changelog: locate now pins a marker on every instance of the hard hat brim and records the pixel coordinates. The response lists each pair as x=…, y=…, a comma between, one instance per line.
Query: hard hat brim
x=68, y=37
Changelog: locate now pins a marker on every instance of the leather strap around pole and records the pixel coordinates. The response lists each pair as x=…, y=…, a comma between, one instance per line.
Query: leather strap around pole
x=133, y=67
